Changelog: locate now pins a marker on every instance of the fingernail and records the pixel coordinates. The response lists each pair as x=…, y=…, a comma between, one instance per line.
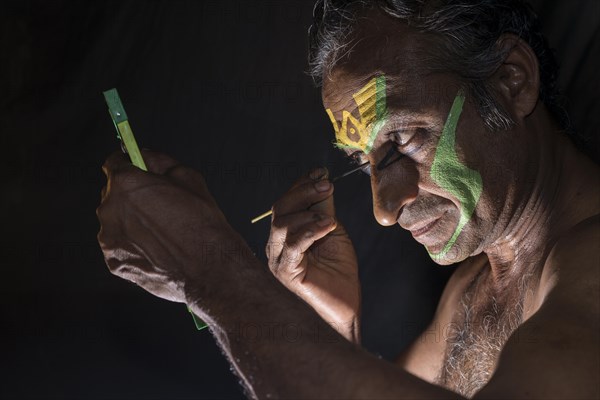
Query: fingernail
x=325, y=221
x=322, y=186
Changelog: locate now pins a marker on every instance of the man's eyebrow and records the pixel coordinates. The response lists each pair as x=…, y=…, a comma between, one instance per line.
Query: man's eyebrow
x=404, y=114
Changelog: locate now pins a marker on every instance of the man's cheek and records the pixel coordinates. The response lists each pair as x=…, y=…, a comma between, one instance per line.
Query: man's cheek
x=450, y=174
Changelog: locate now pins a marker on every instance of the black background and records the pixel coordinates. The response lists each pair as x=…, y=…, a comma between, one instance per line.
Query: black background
x=221, y=86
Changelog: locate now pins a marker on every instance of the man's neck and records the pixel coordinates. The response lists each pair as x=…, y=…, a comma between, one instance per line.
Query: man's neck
x=564, y=192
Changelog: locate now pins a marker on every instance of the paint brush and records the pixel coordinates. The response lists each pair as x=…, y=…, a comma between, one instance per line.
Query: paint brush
x=337, y=178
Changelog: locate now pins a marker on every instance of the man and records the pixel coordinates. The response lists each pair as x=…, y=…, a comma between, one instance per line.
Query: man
x=451, y=107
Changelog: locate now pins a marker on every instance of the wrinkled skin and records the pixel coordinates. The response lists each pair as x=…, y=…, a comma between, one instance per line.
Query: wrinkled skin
x=156, y=226
x=537, y=216
x=312, y=255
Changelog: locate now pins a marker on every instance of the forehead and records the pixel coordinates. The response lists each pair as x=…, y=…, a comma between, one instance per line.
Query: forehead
x=379, y=45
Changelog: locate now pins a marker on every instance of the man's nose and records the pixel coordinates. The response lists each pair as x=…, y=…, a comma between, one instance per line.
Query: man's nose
x=392, y=189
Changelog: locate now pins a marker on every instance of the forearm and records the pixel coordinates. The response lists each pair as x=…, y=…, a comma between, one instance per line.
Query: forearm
x=282, y=348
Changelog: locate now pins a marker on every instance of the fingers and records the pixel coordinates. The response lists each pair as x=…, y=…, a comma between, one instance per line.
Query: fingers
x=185, y=176
x=121, y=174
x=285, y=226
x=188, y=178
x=314, y=175
x=302, y=196
x=317, y=174
x=116, y=161
x=288, y=265
x=296, y=233
x=301, y=239
x=158, y=163
x=301, y=217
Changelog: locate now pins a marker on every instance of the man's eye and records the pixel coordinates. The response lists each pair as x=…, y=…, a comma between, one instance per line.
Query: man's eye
x=401, y=138
x=409, y=141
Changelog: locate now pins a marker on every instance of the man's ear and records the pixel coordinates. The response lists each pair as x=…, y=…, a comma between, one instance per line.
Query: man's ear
x=517, y=79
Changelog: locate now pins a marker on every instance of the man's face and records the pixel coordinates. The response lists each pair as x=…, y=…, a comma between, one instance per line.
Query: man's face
x=428, y=150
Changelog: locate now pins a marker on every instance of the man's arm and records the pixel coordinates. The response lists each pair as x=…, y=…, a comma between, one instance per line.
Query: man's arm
x=553, y=355
x=163, y=231
x=281, y=348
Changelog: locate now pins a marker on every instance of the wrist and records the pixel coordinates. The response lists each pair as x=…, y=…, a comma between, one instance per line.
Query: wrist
x=219, y=271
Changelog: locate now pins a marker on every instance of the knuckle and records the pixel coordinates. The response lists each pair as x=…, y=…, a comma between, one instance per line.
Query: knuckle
x=104, y=240
x=277, y=209
x=292, y=253
x=119, y=269
x=105, y=168
x=100, y=210
x=273, y=249
x=295, y=243
x=279, y=224
x=124, y=179
x=274, y=262
x=177, y=170
x=274, y=267
x=183, y=172
x=269, y=250
x=100, y=238
x=308, y=189
x=280, y=270
x=105, y=211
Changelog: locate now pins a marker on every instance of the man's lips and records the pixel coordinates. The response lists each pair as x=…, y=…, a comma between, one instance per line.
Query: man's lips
x=422, y=227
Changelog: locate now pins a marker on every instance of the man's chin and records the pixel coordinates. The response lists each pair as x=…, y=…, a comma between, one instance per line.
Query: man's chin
x=451, y=256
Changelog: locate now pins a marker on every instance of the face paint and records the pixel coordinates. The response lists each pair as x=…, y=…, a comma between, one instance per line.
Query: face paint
x=360, y=134
x=451, y=175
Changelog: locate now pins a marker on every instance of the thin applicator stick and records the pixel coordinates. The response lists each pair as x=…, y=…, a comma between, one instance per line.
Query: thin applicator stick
x=345, y=174
x=337, y=178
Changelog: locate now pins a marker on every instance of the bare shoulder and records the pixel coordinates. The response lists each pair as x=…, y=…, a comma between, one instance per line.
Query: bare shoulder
x=572, y=271
x=555, y=353
x=581, y=244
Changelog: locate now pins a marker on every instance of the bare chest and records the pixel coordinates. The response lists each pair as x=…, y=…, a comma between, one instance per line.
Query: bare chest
x=477, y=332
x=461, y=348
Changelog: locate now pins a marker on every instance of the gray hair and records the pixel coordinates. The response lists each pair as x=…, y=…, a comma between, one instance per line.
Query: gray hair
x=468, y=31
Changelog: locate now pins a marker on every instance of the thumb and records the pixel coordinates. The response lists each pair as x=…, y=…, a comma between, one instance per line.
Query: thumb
x=325, y=206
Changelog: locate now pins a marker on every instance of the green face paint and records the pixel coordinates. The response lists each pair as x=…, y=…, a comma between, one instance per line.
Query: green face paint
x=360, y=134
x=451, y=175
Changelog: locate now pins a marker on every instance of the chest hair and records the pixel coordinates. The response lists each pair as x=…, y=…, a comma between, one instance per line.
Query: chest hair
x=481, y=326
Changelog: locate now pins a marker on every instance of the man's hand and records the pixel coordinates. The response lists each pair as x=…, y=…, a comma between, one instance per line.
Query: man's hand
x=153, y=228
x=154, y=225
x=312, y=255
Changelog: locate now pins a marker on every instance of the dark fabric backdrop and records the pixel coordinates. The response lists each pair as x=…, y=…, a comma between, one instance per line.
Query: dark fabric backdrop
x=221, y=86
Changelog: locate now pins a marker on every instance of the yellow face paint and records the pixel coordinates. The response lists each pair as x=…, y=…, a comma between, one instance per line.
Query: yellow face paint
x=360, y=133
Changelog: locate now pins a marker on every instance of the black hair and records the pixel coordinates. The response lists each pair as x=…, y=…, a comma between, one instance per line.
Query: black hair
x=468, y=31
